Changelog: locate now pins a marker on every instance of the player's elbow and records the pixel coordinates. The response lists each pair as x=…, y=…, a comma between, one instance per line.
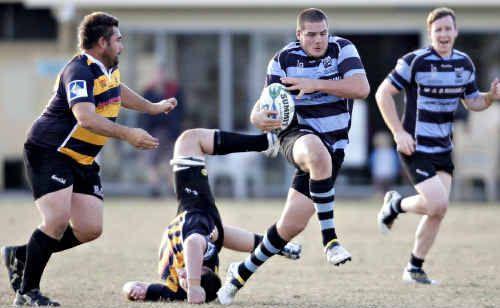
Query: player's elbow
x=380, y=94
x=84, y=121
x=364, y=90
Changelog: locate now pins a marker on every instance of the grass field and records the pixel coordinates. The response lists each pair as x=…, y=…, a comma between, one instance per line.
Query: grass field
x=465, y=258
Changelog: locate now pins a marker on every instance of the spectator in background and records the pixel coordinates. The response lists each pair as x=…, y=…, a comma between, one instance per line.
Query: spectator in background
x=384, y=165
x=166, y=129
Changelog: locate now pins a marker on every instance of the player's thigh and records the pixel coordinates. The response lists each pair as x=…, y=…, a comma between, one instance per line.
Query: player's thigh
x=309, y=150
x=446, y=180
x=55, y=209
x=87, y=202
x=86, y=216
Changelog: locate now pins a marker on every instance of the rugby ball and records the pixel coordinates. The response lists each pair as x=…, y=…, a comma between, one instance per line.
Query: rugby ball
x=276, y=97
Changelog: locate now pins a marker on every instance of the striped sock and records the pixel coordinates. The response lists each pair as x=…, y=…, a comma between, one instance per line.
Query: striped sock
x=323, y=197
x=270, y=245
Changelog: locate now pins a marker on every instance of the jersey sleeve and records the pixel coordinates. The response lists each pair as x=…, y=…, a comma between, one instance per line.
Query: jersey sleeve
x=471, y=89
x=400, y=76
x=78, y=84
x=349, y=61
x=275, y=70
x=160, y=292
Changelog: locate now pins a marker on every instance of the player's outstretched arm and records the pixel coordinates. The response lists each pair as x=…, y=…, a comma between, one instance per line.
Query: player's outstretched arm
x=144, y=291
x=87, y=118
x=484, y=100
x=134, y=101
x=387, y=106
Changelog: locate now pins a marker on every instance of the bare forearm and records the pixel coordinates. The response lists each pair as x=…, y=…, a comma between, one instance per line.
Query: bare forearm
x=482, y=102
x=195, y=245
x=134, y=101
x=102, y=126
x=387, y=107
x=355, y=87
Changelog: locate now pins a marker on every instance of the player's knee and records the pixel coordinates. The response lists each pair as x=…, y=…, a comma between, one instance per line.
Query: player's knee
x=318, y=159
x=56, y=223
x=90, y=233
x=314, y=154
x=438, y=207
x=187, y=136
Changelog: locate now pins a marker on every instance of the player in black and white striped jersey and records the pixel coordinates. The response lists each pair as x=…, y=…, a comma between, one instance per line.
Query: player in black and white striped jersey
x=324, y=73
x=435, y=80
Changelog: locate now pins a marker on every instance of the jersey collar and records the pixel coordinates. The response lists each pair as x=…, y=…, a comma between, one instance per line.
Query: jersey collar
x=105, y=71
x=441, y=57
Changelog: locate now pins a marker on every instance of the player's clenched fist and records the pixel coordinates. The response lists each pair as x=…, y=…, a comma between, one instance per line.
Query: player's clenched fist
x=141, y=139
x=164, y=106
x=196, y=295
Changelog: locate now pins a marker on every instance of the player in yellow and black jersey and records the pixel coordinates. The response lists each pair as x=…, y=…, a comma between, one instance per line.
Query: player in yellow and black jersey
x=60, y=152
x=192, y=241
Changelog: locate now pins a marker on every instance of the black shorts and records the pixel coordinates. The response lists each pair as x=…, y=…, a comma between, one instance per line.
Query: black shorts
x=48, y=171
x=201, y=223
x=423, y=166
x=197, y=221
x=300, y=180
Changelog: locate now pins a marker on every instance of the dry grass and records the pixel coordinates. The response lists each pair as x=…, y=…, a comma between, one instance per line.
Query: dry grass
x=465, y=258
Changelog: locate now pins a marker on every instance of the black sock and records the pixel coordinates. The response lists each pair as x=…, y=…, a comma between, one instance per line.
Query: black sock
x=20, y=252
x=257, y=240
x=227, y=142
x=68, y=240
x=397, y=206
x=39, y=249
x=416, y=262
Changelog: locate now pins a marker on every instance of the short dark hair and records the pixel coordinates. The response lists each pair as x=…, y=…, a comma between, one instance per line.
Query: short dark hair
x=211, y=283
x=310, y=15
x=440, y=13
x=93, y=27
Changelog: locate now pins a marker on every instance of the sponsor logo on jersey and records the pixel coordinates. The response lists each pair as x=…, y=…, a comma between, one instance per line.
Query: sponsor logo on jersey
x=77, y=89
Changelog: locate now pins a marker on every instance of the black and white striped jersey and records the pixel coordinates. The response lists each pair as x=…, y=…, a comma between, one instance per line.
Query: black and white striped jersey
x=327, y=115
x=434, y=86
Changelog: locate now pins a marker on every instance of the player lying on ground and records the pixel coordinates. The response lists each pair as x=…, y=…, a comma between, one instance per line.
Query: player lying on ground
x=191, y=243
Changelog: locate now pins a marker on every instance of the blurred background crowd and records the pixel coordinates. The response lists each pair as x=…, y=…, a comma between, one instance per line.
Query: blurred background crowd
x=212, y=56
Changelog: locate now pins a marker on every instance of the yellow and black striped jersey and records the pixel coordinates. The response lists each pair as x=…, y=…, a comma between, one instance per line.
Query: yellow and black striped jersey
x=83, y=80
x=172, y=248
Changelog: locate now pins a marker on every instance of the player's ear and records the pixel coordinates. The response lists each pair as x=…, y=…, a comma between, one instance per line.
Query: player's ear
x=102, y=42
x=297, y=34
